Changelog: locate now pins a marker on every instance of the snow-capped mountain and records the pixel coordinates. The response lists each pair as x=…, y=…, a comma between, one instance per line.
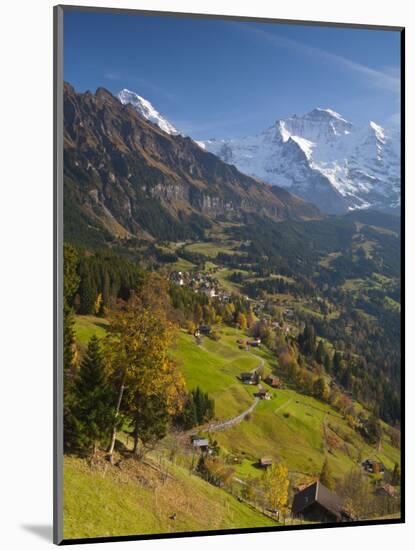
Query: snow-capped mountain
x=323, y=158
x=146, y=109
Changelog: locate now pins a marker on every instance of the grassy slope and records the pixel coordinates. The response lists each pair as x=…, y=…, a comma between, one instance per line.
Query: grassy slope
x=211, y=249
x=98, y=504
x=298, y=439
x=87, y=326
x=214, y=367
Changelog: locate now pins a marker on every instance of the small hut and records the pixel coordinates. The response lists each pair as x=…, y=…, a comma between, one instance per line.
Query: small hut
x=265, y=462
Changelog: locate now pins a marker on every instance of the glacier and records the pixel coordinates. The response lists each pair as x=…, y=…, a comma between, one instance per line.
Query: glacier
x=323, y=158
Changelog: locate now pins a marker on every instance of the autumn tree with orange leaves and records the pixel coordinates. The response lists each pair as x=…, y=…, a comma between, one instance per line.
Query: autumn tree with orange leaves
x=148, y=381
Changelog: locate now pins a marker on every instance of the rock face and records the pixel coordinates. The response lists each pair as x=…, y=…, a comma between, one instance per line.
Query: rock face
x=125, y=177
x=323, y=158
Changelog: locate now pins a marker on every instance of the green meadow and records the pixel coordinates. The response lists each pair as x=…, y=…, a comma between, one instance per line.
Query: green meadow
x=102, y=503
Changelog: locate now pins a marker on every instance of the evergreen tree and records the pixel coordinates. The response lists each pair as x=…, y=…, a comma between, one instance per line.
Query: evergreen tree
x=93, y=408
x=337, y=363
x=106, y=294
x=87, y=294
x=188, y=417
x=70, y=286
x=71, y=278
x=320, y=353
x=326, y=477
x=68, y=340
x=373, y=430
x=328, y=366
x=150, y=422
x=307, y=340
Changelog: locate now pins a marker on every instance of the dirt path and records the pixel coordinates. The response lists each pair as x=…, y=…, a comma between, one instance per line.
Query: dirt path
x=224, y=424
x=218, y=426
x=283, y=405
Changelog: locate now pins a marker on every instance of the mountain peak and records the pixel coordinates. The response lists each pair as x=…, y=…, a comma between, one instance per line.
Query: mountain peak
x=146, y=109
x=323, y=158
x=328, y=113
x=103, y=93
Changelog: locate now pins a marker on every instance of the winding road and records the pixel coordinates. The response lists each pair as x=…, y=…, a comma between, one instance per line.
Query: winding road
x=224, y=424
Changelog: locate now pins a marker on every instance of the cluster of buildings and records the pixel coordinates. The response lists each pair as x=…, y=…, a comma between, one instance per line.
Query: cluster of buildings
x=254, y=377
x=244, y=344
x=199, y=282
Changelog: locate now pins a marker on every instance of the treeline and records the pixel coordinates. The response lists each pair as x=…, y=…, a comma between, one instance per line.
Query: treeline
x=103, y=278
x=367, y=361
x=198, y=409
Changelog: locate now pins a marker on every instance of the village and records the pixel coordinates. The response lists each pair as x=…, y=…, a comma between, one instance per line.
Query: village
x=205, y=282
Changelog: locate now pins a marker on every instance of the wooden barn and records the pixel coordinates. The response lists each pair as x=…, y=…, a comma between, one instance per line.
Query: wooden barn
x=265, y=462
x=317, y=503
x=273, y=381
x=249, y=377
x=263, y=394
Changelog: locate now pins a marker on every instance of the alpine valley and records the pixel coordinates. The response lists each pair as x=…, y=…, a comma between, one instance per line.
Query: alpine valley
x=229, y=346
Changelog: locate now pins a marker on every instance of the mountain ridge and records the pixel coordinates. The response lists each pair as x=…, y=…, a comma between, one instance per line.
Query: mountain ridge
x=319, y=156
x=126, y=177
x=324, y=158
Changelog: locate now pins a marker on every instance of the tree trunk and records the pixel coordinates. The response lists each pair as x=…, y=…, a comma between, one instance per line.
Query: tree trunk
x=114, y=429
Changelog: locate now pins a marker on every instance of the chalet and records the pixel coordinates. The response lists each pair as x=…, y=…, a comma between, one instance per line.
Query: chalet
x=373, y=466
x=249, y=377
x=264, y=394
x=254, y=343
x=273, y=381
x=317, y=503
x=265, y=461
x=200, y=443
x=205, y=330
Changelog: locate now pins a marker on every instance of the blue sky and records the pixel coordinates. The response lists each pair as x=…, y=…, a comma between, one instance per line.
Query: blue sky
x=221, y=78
